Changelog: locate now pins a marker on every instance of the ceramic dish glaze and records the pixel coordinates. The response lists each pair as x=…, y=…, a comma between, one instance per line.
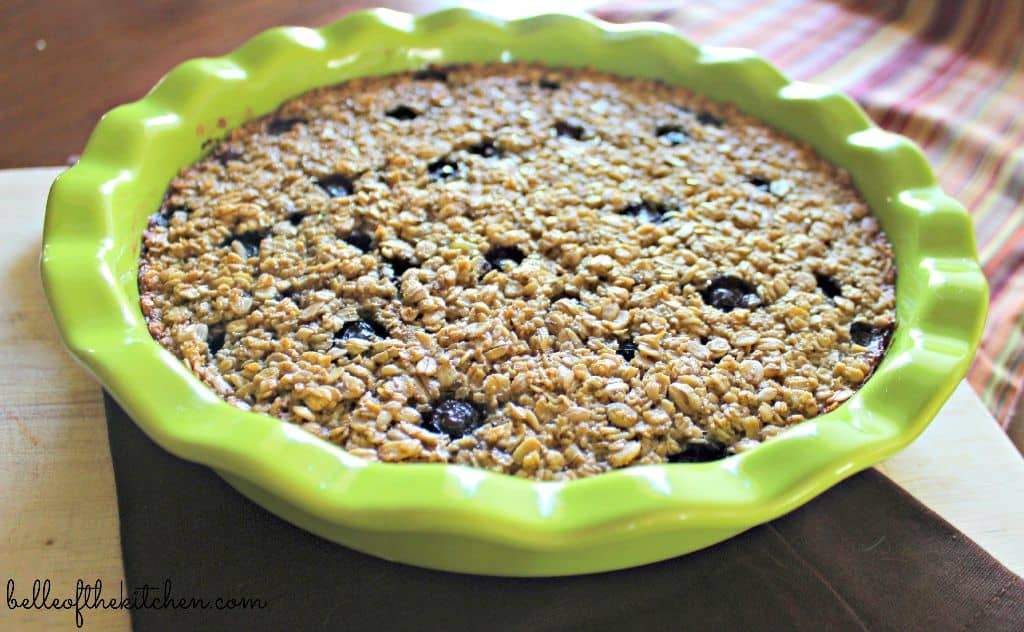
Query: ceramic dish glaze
x=458, y=518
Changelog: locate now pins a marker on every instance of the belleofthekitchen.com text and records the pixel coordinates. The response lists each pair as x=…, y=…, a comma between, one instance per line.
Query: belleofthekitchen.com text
x=41, y=595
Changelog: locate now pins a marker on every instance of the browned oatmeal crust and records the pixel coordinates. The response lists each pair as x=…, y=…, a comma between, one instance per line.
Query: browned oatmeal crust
x=611, y=271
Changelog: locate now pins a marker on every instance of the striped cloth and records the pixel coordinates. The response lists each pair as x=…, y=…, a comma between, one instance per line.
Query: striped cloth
x=949, y=75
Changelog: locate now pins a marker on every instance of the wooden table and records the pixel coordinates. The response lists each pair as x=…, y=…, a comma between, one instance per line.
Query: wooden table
x=58, y=511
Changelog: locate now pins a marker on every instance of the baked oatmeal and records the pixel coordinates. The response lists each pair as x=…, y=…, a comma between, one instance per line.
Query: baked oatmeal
x=545, y=272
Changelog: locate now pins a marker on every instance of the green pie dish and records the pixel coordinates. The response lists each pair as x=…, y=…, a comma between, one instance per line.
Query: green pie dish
x=458, y=518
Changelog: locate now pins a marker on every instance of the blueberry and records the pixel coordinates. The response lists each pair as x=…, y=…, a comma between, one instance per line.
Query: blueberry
x=571, y=128
x=226, y=155
x=497, y=256
x=279, y=126
x=627, y=349
x=250, y=241
x=645, y=211
x=366, y=328
x=163, y=217
x=215, y=338
x=431, y=74
x=403, y=113
x=443, y=169
x=760, y=183
x=861, y=333
x=398, y=265
x=549, y=84
x=360, y=240
x=699, y=452
x=359, y=329
x=296, y=218
x=707, y=118
x=672, y=134
x=485, y=148
x=337, y=185
x=728, y=292
x=875, y=339
x=455, y=418
x=726, y=299
x=827, y=286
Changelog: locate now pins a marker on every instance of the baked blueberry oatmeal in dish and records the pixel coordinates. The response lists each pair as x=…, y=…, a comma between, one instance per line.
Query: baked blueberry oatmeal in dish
x=545, y=272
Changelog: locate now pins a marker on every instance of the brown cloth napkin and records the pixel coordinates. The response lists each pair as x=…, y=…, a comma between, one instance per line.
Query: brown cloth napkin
x=864, y=555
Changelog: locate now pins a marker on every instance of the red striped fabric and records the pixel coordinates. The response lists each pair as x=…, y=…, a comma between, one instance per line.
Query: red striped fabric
x=949, y=75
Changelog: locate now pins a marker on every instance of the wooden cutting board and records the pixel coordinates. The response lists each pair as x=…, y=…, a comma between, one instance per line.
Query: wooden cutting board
x=58, y=511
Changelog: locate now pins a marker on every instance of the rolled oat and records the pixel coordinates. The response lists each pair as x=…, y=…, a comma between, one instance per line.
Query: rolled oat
x=548, y=273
